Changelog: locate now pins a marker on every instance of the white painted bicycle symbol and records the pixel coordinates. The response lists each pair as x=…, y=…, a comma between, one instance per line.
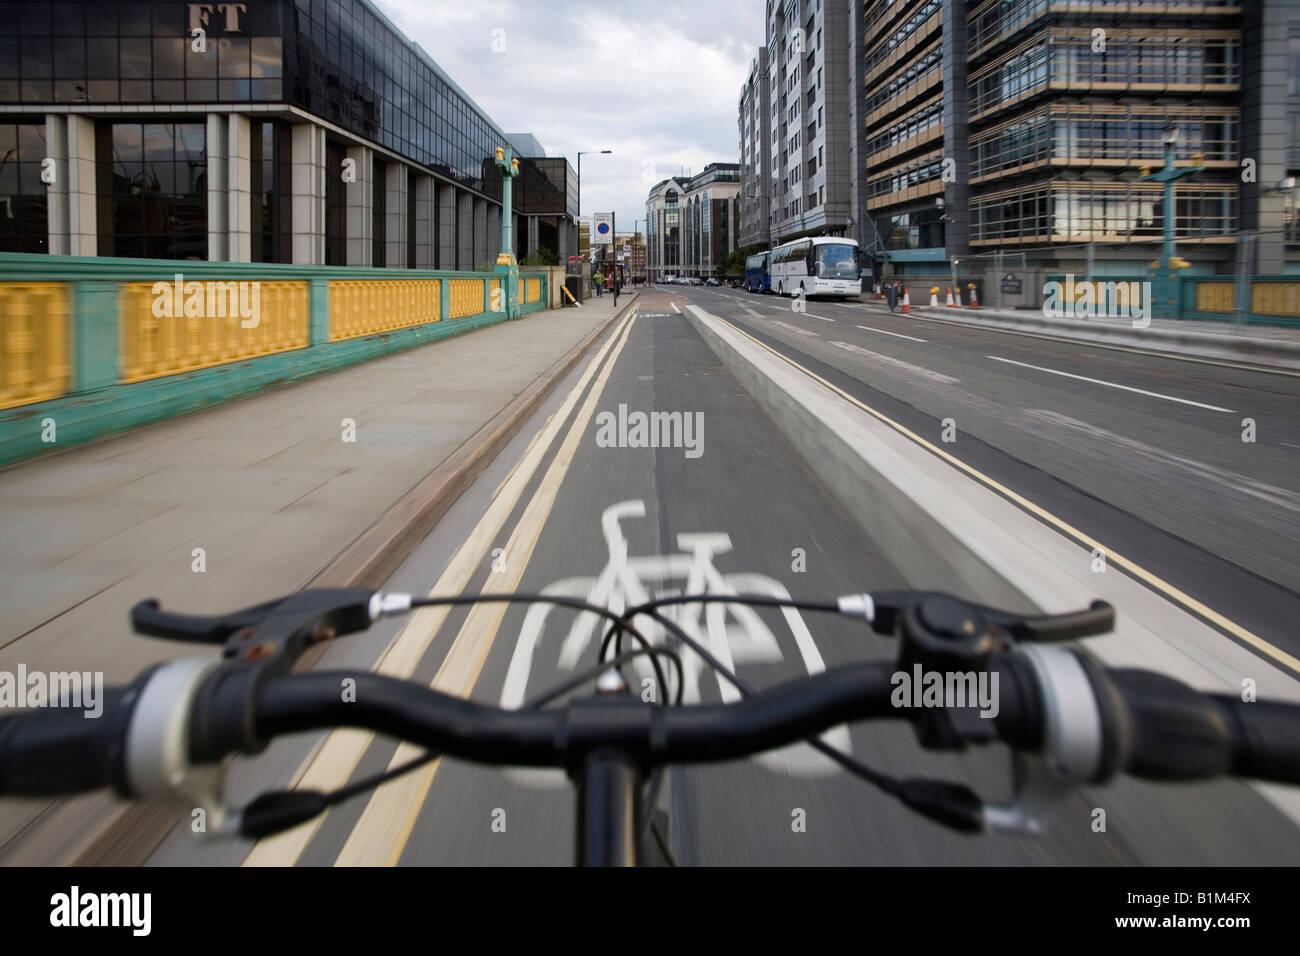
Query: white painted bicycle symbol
x=733, y=633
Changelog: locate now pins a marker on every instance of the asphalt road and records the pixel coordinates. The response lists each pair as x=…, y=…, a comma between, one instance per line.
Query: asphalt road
x=1122, y=462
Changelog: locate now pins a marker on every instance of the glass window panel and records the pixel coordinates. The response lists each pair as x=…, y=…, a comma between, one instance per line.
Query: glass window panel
x=68, y=20
x=233, y=57
x=169, y=91
x=158, y=143
x=37, y=91
x=236, y=90
x=173, y=19
x=136, y=91
x=69, y=91
x=134, y=19
x=101, y=19
x=200, y=65
x=9, y=58
x=200, y=91
x=70, y=58
x=134, y=55
x=168, y=59
x=267, y=57
x=37, y=59
x=102, y=91
x=101, y=58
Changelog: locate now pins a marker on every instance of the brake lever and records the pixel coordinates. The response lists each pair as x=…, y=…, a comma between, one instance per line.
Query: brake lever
x=147, y=617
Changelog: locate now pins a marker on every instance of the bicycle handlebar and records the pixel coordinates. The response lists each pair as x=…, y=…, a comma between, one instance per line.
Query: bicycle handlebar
x=168, y=733
x=1151, y=726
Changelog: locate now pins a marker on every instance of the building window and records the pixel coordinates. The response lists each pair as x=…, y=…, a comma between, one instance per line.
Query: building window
x=153, y=180
x=1293, y=74
x=24, y=226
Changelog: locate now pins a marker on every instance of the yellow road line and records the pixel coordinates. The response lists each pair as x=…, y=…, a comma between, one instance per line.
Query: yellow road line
x=1151, y=580
x=333, y=762
x=389, y=818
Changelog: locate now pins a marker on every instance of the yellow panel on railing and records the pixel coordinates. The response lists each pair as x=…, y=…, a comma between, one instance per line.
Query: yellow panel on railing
x=466, y=297
x=532, y=290
x=208, y=323
x=1215, y=297
x=1275, y=298
x=34, y=322
x=366, y=306
x=496, y=298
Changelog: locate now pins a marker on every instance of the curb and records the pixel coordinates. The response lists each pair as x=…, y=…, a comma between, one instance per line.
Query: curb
x=1262, y=350
x=125, y=834
x=947, y=528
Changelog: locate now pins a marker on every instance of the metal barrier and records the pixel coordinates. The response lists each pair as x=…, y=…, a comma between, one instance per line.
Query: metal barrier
x=99, y=345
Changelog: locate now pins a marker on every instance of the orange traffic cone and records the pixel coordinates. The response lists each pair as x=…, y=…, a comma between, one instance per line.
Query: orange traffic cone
x=950, y=305
x=907, y=302
x=974, y=299
x=934, y=297
x=877, y=294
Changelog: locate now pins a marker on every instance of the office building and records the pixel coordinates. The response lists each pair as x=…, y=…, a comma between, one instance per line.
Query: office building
x=304, y=131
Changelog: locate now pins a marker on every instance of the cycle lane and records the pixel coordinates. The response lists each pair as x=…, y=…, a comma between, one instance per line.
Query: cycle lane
x=737, y=478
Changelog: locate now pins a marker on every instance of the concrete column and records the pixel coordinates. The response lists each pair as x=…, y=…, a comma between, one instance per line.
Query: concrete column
x=493, y=231
x=395, y=214
x=446, y=226
x=956, y=142
x=71, y=212
x=480, y=231
x=426, y=238
x=218, y=147
x=308, y=194
x=360, y=212
x=239, y=182
x=465, y=231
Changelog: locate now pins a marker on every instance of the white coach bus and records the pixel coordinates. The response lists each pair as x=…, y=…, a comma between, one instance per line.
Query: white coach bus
x=824, y=265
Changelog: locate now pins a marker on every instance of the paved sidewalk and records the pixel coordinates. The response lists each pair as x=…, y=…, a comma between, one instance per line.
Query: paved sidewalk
x=265, y=485
x=1265, y=344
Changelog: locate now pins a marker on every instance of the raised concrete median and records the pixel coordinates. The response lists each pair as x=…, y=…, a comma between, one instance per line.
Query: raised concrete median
x=949, y=528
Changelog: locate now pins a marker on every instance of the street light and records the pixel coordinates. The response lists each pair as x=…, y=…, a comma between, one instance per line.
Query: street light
x=1164, y=271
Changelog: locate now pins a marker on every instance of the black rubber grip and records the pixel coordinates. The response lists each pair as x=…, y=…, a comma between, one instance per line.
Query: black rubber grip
x=1265, y=738
x=54, y=751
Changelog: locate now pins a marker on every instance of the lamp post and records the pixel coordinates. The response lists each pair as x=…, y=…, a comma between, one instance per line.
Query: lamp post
x=506, y=264
x=635, y=224
x=1163, y=273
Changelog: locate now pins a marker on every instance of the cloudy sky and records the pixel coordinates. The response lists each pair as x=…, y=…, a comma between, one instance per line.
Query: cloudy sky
x=656, y=81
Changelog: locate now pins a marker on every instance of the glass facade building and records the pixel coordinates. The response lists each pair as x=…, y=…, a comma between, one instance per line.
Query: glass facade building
x=174, y=124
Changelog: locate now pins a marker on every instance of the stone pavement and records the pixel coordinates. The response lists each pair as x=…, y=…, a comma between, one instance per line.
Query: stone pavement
x=266, y=486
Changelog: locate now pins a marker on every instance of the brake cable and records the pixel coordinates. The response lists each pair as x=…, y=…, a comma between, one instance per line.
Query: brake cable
x=278, y=810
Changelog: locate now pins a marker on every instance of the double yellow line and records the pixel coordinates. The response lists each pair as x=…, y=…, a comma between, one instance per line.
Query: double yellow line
x=390, y=815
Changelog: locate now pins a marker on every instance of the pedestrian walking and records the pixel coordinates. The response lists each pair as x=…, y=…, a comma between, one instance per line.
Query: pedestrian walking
x=599, y=281
x=891, y=295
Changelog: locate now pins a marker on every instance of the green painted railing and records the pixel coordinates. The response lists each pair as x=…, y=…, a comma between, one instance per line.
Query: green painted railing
x=93, y=346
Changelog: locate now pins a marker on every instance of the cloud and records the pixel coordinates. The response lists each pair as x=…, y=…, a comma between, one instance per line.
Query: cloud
x=656, y=84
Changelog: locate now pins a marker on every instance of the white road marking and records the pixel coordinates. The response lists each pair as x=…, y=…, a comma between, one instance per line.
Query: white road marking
x=793, y=328
x=897, y=363
x=822, y=317
x=757, y=315
x=1098, y=381
x=898, y=335
x=675, y=309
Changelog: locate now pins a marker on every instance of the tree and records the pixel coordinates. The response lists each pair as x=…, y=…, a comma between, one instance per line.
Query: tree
x=544, y=256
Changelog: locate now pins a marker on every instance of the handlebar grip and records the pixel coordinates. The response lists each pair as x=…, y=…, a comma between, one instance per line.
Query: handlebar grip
x=1169, y=731
x=1265, y=738
x=55, y=751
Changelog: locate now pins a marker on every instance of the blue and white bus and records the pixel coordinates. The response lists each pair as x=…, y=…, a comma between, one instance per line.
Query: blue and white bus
x=822, y=265
x=757, y=277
